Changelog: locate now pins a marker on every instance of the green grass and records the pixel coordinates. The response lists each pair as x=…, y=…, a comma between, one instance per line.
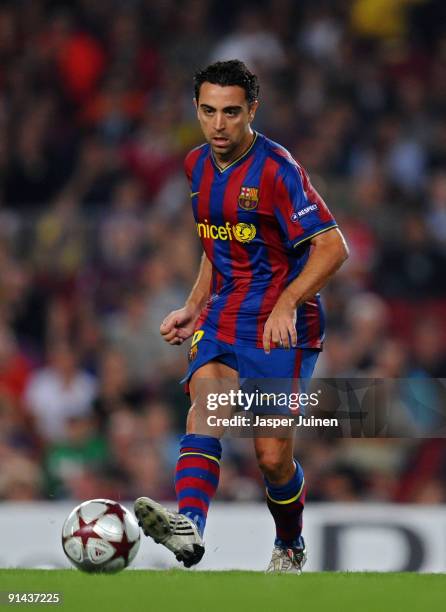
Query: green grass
x=184, y=591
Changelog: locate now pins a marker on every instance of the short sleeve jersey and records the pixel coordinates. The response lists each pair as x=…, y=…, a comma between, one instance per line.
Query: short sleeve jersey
x=255, y=219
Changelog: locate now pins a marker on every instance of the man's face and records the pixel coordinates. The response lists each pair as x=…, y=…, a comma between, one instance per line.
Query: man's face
x=225, y=116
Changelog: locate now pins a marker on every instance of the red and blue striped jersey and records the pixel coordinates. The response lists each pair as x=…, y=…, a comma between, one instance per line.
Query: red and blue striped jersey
x=254, y=219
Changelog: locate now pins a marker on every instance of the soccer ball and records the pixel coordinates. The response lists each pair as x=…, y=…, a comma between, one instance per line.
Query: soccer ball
x=100, y=535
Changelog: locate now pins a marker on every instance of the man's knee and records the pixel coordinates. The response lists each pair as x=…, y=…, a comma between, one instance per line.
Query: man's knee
x=190, y=421
x=273, y=466
x=197, y=423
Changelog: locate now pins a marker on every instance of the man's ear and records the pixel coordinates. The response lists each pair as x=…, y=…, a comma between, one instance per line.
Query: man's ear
x=196, y=105
x=252, y=110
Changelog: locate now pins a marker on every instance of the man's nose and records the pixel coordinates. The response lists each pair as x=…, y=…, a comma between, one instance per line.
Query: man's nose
x=219, y=121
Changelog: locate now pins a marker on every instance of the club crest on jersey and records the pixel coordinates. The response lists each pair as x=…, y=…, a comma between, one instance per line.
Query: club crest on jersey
x=248, y=198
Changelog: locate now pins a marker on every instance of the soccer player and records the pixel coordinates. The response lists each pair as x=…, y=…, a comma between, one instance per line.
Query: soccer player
x=270, y=244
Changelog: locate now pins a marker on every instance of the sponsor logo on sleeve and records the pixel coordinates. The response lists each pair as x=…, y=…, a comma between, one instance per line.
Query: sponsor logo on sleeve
x=304, y=211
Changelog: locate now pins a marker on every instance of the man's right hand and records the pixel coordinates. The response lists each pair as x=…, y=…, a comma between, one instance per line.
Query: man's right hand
x=179, y=325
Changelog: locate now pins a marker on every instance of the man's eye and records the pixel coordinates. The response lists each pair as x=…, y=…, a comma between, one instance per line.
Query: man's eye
x=231, y=113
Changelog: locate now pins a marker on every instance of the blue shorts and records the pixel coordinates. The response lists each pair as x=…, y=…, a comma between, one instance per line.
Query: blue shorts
x=282, y=367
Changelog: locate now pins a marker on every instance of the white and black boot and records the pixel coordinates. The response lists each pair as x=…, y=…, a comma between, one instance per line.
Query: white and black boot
x=175, y=531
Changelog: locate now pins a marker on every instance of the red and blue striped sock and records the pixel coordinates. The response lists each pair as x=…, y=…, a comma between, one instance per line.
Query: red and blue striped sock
x=196, y=477
x=286, y=504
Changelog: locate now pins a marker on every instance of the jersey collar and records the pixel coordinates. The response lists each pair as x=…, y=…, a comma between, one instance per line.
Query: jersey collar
x=239, y=159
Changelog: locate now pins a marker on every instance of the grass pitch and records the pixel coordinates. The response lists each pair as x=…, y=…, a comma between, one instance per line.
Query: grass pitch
x=184, y=591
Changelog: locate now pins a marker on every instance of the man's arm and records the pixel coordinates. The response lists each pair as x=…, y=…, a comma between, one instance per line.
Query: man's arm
x=328, y=251
x=200, y=291
x=179, y=324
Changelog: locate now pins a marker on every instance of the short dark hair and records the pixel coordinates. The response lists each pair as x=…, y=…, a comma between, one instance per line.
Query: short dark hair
x=232, y=72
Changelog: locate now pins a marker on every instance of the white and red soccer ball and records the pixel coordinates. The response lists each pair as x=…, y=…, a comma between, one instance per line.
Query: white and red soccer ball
x=100, y=535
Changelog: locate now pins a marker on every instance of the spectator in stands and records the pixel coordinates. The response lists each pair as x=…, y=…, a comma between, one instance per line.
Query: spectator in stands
x=59, y=391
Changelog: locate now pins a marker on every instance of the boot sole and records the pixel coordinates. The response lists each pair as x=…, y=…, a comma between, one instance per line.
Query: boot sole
x=154, y=521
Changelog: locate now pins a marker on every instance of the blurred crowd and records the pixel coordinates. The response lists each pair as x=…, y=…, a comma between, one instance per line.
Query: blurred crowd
x=97, y=241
